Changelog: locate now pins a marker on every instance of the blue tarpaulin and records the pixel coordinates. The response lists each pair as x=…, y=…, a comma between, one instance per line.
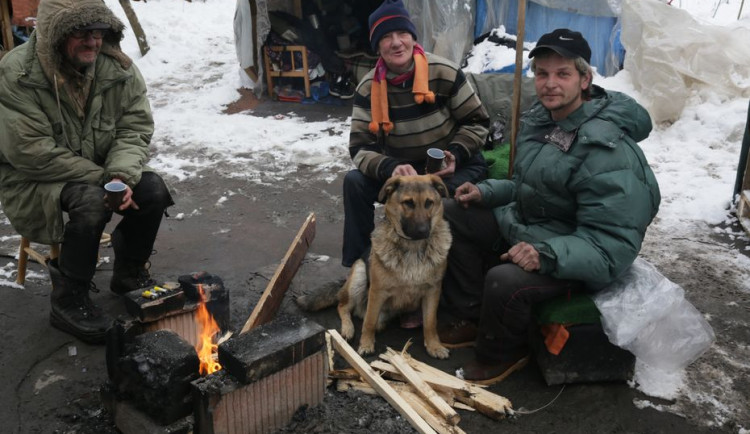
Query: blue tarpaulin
x=601, y=30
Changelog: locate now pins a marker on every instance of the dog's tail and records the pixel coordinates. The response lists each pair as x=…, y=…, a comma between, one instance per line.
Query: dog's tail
x=320, y=298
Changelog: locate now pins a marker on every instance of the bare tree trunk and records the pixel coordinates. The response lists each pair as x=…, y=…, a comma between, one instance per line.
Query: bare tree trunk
x=137, y=29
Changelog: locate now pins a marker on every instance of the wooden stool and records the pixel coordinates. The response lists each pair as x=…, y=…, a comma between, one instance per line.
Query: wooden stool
x=25, y=251
x=296, y=71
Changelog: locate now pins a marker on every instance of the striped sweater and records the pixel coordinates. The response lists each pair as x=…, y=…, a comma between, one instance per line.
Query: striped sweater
x=456, y=122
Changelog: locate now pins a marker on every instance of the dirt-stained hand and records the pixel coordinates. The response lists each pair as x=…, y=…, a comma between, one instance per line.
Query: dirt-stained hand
x=127, y=199
x=467, y=193
x=404, y=170
x=524, y=255
x=450, y=166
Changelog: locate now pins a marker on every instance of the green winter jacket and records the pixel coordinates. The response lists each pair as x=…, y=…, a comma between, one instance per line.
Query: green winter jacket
x=586, y=209
x=44, y=143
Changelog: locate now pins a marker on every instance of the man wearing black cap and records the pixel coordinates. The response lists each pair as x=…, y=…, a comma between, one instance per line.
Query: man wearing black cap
x=572, y=218
x=73, y=116
x=410, y=102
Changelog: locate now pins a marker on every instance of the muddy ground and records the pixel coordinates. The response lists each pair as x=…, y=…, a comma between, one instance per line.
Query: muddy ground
x=49, y=381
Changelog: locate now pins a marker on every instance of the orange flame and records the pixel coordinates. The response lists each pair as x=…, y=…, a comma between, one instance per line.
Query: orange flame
x=208, y=329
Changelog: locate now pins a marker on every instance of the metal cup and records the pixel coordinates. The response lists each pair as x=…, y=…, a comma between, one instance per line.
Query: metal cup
x=435, y=158
x=115, y=192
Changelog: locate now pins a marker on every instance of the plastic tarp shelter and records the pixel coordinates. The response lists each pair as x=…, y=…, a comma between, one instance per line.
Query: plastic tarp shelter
x=671, y=55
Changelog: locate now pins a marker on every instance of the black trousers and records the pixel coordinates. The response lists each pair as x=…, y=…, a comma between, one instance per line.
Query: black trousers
x=133, y=237
x=361, y=193
x=498, y=296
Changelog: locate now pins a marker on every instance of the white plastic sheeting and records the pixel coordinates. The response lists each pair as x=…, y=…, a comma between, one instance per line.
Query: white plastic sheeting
x=445, y=28
x=670, y=54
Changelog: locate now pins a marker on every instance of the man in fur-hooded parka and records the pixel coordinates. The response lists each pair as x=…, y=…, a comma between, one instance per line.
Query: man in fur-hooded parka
x=73, y=116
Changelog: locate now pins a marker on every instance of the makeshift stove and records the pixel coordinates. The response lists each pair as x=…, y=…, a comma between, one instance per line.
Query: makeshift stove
x=167, y=374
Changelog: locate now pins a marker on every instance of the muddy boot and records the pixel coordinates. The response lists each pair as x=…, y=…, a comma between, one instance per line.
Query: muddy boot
x=128, y=276
x=72, y=309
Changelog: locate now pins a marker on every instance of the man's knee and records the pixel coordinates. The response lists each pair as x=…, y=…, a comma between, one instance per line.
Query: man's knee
x=84, y=204
x=151, y=190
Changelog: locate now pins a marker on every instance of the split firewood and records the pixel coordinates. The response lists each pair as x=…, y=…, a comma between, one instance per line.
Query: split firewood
x=489, y=404
x=421, y=387
x=360, y=385
x=383, y=388
x=423, y=408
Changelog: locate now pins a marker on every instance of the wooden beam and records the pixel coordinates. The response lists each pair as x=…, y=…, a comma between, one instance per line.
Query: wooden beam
x=422, y=388
x=383, y=388
x=6, y=26
x=272, y=297
x=140, y=35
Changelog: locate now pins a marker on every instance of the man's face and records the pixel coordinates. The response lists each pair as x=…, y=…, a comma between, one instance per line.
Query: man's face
x=82, y=47
x=559, y=85
x=397, y=50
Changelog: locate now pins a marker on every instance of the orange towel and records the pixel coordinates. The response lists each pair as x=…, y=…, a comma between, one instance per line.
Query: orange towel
x=379, y=91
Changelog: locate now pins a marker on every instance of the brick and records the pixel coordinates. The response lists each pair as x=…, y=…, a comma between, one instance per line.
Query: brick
x=271, y=347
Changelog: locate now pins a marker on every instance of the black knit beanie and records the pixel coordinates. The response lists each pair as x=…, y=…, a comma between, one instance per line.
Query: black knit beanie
x=389, y=17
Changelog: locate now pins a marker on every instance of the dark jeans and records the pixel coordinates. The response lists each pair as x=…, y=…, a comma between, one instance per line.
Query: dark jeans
x=133, y=238
x=499, y=296
x=361, y=193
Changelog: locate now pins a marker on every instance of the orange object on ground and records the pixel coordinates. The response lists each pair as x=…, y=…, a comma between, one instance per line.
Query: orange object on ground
x=555, y=337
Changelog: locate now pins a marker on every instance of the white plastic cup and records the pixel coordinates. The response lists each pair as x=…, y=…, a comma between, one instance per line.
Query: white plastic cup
x=115, y=192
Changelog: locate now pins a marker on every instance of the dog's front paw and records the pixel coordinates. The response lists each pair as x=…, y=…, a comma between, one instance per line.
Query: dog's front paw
x=438, y=351
x=347, y=330
x=366, y=348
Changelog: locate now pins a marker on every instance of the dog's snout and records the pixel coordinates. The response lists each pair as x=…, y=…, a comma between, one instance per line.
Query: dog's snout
x=416, y=230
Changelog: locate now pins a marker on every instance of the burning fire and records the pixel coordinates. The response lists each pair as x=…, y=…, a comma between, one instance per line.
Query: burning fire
x=208, y=330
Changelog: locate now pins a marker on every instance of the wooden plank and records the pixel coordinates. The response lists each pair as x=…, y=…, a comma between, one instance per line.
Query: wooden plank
x=407, y=392
x=383, y=388
x=489, y=404
x=422, y=388
x=270, y=301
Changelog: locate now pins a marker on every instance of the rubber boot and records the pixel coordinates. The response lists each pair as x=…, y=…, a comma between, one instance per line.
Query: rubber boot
x=72, y=309
x=128, y=276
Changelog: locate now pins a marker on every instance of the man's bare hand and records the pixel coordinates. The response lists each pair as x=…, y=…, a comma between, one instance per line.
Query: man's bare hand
x=450, y=166
x=524, y=255
x=127, y=198
x=467, y=193
x=404, y=170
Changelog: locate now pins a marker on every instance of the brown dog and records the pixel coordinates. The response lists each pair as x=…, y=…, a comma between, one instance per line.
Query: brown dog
x=406, y=263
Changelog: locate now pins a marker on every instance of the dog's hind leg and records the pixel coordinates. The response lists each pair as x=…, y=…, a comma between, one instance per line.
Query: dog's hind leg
x=350, y=295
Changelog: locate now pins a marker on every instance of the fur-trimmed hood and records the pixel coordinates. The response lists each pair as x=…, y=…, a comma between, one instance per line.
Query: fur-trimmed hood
x=57, y=18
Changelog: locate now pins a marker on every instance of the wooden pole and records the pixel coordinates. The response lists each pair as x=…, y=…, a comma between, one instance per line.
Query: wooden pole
x=516, y=108
x=140, y=36
x=7, y=33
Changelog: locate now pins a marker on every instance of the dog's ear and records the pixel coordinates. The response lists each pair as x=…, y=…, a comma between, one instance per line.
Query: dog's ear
x=388, y=188
x=439, y=185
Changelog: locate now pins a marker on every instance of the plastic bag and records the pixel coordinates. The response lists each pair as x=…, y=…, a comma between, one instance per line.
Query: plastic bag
x=648, y=315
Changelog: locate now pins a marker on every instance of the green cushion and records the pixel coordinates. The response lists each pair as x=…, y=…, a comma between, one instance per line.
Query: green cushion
x=576, y=309
x=498, y=161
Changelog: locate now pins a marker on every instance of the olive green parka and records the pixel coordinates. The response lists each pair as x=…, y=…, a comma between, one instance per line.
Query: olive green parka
x=44, y=143
x=585, y=208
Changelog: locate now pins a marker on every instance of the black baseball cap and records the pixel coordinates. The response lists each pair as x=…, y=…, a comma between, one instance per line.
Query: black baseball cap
x=564, y=42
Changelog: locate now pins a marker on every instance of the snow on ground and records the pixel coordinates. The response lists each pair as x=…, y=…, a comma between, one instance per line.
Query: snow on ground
x=192, y=74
